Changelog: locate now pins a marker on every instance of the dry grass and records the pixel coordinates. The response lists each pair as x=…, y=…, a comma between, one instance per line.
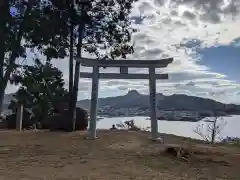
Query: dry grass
x=115, y=155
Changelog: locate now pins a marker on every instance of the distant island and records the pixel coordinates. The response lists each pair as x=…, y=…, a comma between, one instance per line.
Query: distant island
x=176, y=107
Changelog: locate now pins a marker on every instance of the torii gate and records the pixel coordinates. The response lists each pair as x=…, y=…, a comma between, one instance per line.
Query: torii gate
x=123, y=65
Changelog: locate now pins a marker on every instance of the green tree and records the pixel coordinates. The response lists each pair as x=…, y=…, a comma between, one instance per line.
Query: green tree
x=104, y=30
x=11, y=32
x=41, y=88
x=23, y=25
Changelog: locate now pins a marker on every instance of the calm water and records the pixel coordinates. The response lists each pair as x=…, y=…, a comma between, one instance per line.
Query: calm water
x=231, y=126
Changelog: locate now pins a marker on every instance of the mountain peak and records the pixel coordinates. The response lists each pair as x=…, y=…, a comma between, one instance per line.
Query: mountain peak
x=133, y=92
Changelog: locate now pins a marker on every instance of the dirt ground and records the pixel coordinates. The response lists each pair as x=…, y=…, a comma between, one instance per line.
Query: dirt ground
x=114, y=155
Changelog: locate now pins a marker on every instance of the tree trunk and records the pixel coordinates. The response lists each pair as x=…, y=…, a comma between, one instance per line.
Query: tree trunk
x=76, y=78
x=5, y=10
x=71, y=59
x=70, y=6
x=2, y=88
x=2, y=93
x=72, y=96
x=214, y=130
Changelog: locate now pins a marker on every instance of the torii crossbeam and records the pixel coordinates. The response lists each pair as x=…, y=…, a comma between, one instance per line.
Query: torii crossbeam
x=123, y=65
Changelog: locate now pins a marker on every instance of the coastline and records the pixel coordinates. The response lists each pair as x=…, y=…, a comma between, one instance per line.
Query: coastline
x=183, y=119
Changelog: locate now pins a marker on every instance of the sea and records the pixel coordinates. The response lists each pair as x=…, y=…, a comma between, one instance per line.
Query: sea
x=229, y=126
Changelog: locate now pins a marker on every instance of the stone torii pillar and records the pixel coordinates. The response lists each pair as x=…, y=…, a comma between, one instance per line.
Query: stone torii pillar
x=94, y=102
x=152, y=102
x=124, y=65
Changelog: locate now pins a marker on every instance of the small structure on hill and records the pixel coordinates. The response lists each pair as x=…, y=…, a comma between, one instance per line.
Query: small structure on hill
x=113, y=127
x=124, y=65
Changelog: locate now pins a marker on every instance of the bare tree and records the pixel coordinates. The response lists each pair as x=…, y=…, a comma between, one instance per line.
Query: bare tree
x=211, y=129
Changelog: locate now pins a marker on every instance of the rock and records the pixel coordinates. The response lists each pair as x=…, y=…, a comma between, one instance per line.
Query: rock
x=158, y=140
x=61, y=121
x=179, y=152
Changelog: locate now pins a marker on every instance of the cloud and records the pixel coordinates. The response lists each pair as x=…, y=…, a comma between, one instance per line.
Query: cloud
x=189, y=15
x=178, y=29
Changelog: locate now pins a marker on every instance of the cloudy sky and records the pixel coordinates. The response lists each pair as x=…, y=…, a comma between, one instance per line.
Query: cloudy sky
x=202, y=36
